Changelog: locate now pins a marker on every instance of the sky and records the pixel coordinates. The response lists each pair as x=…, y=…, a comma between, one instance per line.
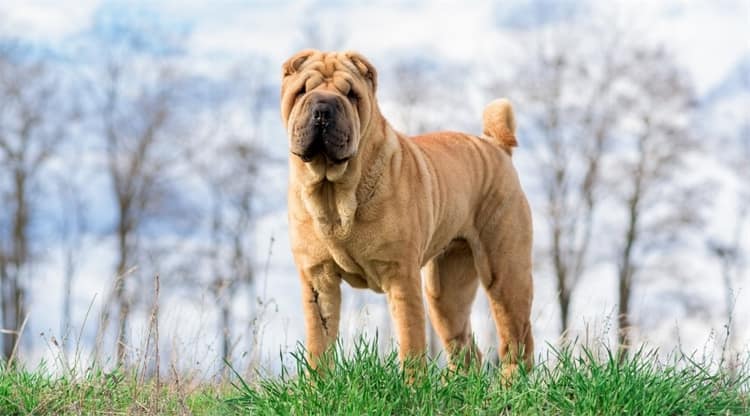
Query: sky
x=709, y=37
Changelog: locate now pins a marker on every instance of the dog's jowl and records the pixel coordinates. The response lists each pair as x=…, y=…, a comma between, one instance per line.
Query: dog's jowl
x=374, y=207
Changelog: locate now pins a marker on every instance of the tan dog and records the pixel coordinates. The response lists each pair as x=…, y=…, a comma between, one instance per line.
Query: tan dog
x=371, y=206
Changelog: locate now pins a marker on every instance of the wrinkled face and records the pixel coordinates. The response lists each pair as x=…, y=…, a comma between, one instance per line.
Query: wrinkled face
x=326, y=104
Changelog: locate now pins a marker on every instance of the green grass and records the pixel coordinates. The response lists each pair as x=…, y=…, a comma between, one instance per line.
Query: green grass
x=579, y=384
x=39, y=393
x=361, y=382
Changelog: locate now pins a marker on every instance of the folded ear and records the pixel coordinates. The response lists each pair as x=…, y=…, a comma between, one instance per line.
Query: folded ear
x=365, y=67
x=294, y=63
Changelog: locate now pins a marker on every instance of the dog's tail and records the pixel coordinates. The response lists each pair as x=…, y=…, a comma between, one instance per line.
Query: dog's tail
x=499, y=124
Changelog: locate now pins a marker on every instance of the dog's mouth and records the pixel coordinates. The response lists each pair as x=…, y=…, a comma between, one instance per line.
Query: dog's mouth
x=309, y=157
x=330, y=142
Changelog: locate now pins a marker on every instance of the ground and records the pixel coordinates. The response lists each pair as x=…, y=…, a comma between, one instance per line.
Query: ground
x=572, y=380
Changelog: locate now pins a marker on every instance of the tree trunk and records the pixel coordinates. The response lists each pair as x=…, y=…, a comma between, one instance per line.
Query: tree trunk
x=564, y=302
x=226, y=333
x=12, y=289
x=623, y=313
x=10, y=315
x=561, y=273
x=13, y=298
x=123, y=302
x=625, y=273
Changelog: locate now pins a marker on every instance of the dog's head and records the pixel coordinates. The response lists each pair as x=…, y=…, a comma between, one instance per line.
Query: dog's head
x=327, y=103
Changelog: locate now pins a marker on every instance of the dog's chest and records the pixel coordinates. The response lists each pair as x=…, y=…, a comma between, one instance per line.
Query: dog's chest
x=342, y=256
x=363, y=247
x=363, y=263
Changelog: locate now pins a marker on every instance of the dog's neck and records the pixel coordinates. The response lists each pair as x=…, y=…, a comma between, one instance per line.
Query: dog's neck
x=332, y=193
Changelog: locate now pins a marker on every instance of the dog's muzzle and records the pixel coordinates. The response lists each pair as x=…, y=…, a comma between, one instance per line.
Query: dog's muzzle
x=325, y=131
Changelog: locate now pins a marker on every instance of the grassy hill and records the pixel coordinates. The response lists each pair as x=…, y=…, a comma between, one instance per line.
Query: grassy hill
x=578, y=382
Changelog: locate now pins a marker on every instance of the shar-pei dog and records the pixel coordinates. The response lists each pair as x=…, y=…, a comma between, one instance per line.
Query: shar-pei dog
x=374, y=207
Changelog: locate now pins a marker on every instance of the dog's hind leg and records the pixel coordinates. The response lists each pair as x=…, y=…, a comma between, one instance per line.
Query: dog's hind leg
x=508, y=282
x=450, y=284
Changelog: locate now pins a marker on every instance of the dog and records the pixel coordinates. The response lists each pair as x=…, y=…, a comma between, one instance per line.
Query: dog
x=372, y=207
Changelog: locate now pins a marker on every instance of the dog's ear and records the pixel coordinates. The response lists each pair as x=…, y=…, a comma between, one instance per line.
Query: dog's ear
x=364, y=67
x=294, y=63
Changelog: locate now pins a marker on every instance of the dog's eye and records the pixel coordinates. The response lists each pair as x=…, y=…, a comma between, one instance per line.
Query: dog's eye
x=300, y=92
x=352, y=95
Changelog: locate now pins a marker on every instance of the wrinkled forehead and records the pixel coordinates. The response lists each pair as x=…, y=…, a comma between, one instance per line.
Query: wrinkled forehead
x=328, y=70
x=330, y=65
x=346, y=73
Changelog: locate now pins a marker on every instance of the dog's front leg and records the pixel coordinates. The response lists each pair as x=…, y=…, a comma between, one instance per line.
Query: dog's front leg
x=407, y=310
x=321, y=302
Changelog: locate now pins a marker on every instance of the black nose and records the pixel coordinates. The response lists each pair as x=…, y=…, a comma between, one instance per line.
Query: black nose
x=322, y=112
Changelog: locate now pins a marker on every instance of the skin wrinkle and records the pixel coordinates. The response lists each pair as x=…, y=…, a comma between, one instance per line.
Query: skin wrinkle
x=323, y=320
x=370, y=181
x=441, y=194
x=448, y=202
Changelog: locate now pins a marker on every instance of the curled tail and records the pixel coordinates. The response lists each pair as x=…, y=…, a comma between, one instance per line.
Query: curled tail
x=499, y=124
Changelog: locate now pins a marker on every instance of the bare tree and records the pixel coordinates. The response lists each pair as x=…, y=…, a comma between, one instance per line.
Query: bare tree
x=72, y=226
x=227, y=158
x=566, y=90
x=658, y=204
x=32, y=123
x=233, y=220
x=232, y=188
x=136, y=106
x=595, y=98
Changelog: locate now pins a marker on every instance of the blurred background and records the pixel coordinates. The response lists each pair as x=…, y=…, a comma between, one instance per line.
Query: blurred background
x=143, y=168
